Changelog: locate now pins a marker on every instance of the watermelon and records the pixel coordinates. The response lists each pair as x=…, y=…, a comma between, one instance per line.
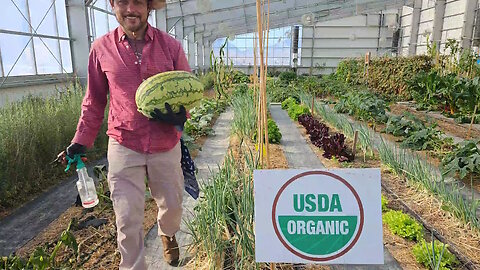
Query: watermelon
x=173, y=87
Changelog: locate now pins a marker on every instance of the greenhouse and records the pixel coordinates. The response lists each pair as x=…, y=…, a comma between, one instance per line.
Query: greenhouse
x=239, y=134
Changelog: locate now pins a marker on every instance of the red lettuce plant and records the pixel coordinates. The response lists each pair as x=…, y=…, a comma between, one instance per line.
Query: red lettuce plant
x=333, y=146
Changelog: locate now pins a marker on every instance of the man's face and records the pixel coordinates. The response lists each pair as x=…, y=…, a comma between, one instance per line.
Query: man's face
x=132, y=15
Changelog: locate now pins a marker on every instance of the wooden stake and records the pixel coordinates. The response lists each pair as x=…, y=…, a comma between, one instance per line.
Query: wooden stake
x=313, y=104
x=355, y=139
x=255, y=73
x=471, y=123
x=265, y=116
x=262, y=118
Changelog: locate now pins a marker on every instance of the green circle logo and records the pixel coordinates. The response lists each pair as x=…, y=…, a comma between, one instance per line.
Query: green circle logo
x=315, y=224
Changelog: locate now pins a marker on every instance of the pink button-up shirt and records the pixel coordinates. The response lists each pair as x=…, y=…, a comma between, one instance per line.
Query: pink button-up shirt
x=113, y=69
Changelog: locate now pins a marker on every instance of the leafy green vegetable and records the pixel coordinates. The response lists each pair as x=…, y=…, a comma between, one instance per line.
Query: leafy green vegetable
x=384, y=204
x=403, y=225
x=464, y=160
x=274, y=135
x=434, y=255
x=295, y=110
x=287, y=76
x=428, y=138
x=363, y=105
x=403, y=125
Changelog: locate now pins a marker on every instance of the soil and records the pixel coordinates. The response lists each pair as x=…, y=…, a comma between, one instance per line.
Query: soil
x=446, y=124
x=466, y=239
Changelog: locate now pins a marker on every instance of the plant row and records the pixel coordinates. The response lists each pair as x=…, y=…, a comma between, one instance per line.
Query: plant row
x=434, y=255
x=437, y=81
x=455, y=97
x=222, y=223
x=460, y=160
x=333, y=145
x=405, y=163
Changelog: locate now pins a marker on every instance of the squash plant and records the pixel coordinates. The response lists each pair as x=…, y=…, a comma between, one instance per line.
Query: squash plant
x=403, y=125
x=364, y=106
x=464, y=160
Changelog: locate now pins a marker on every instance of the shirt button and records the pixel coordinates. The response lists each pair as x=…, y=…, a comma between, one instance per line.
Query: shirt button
x=136, y=63
x=127, y=46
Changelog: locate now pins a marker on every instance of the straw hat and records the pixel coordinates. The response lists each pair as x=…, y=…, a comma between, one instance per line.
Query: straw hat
x=158, y=4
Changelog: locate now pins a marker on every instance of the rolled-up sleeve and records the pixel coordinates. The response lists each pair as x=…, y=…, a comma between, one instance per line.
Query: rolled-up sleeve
x=94, y=102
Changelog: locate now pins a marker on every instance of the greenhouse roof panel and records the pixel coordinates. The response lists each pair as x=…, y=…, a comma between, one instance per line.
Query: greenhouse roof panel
x=220, y=18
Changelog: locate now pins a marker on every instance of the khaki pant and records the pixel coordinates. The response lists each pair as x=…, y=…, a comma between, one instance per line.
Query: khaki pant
x=126, y=181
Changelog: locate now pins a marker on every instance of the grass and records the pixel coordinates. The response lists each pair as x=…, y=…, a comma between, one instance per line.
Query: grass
x=33, y=132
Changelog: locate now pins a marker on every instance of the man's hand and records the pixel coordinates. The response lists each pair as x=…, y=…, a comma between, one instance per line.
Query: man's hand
x=75, y=149
x=176, y=119
x=72, y=150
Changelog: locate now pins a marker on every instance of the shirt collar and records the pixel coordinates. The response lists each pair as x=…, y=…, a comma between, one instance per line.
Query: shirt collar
x=148, y=33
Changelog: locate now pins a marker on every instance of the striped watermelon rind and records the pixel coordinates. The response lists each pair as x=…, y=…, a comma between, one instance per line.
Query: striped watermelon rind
x=174, y=87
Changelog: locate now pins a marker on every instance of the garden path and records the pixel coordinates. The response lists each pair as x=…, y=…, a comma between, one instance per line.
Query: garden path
x=299, y=155
x=207, y=162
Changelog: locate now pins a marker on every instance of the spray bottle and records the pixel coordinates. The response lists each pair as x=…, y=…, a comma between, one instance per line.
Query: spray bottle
x=85, y=184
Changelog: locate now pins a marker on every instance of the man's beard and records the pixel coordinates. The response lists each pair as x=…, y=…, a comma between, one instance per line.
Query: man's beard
x=133, y=27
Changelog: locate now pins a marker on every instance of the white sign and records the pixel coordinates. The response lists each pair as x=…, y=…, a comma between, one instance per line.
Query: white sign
x=318, y=216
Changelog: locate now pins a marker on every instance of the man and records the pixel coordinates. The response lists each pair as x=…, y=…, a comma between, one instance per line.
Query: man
x=138, y=148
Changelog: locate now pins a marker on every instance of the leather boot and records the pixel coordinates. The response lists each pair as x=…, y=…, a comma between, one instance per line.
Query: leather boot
x=171, y=252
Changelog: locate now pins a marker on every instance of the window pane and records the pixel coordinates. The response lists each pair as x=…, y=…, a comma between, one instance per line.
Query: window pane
x=240, y=52
x=278, y=52
x=232, y=52
x=14, y=44
x=100, y=4
x=38, y=9
x=249, y=43
x=270, y=52
x=66, y=56
x=61, y=18
x=46, y=62
x=112, y=22
x=101, y=27
x=11, y=17
x=151, y=19
x=286, y=62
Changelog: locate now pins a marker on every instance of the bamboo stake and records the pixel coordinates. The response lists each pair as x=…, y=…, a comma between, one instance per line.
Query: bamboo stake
x=267, y=143
x=260, y=38
x=471, y=123
x=313, y=104
x=255, y=73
